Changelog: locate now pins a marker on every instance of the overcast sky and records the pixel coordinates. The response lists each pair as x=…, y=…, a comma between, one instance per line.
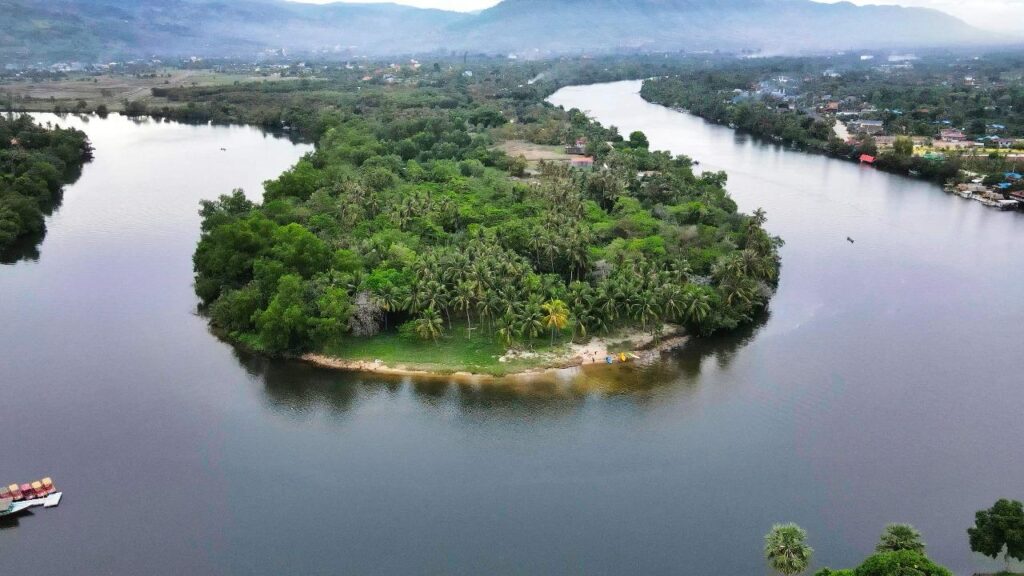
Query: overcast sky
x=1002, y=15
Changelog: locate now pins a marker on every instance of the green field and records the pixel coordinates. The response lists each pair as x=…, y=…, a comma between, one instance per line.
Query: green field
x=448, y=355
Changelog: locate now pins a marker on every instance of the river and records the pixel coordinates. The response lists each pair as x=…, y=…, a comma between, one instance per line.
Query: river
x=883, y=386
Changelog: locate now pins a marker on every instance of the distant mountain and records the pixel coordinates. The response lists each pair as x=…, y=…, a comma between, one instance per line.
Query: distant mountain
x=769, y=25
x=92, y=30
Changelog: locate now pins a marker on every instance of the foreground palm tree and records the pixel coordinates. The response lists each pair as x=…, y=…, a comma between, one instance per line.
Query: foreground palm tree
x=786, y=549
x=556, y=317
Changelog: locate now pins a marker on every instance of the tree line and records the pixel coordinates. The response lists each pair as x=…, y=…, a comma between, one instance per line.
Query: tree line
x=35, y=163
x=900, y=551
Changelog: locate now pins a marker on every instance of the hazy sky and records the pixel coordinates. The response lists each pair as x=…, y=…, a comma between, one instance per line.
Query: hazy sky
x=1002, y=15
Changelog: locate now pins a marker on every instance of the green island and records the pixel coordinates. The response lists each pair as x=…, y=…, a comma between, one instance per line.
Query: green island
x=412, y=239
x=35, y=163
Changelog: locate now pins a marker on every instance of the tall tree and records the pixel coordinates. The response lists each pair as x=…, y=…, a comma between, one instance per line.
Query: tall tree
x=900, y=537
x=429, y=326
x=556, y=317
x=998, y=528
x=786, y=549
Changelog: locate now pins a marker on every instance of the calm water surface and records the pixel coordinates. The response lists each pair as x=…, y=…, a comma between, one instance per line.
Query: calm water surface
x=884, y=386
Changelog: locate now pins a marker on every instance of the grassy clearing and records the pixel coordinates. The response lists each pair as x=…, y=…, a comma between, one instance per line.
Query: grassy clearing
x=448, y=355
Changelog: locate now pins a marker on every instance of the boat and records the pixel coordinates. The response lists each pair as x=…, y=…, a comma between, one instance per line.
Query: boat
x=17, y=498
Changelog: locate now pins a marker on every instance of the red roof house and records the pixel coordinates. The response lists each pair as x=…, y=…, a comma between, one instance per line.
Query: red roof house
x=867, y=159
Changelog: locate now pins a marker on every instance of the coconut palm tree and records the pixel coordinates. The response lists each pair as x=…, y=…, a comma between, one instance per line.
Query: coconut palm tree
x=556, y=317
x=697, y=307
x=465, y=292
x=506, y=330
x=786, y=549
x=429, y=325
x=551, y=249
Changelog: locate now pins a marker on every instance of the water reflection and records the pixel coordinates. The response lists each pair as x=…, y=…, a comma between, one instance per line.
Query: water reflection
x=27, y=246
x=300, y=388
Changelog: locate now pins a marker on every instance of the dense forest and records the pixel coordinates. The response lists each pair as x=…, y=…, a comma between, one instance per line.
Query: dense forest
x=407, y=220
x=35, y=163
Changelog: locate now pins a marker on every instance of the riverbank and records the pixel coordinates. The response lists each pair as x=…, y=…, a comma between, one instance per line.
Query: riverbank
x=632, y=346
x=789, y=128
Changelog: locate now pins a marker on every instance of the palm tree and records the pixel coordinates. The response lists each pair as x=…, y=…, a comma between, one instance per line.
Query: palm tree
x=464, y=294
x=648, y=309
x=671, y=301
x=758, y=218
x=900, y=537
x=389, y=301
x=697, y=308
x=786, y=549
x=429, y=325
x=556, y=317
x=506, y=330
x=551, y=249
x=530, y=324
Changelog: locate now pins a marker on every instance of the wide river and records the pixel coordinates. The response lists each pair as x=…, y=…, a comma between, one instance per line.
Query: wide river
x=887, y=384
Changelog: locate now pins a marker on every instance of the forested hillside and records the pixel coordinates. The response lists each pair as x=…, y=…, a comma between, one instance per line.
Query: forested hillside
x=104, y=30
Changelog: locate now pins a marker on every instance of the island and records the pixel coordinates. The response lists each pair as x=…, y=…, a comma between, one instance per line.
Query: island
x=412, y=240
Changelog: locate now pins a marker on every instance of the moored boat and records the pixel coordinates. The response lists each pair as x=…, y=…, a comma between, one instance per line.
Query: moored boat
x=17, y=498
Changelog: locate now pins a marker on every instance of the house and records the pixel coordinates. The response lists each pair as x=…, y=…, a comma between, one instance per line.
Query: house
x=1014, y=176
x=582, y=162
x=867, y=159
x=579, y=148
x=951, y=135
x=871, y=127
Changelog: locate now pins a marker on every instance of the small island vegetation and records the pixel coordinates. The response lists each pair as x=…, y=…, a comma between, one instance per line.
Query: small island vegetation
x=409, y=237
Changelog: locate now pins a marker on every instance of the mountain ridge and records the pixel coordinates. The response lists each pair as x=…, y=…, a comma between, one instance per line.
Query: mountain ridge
x=95, y=30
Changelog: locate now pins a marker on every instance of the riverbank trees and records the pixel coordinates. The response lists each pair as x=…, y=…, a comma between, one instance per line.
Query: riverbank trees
x=35, y=163
x=793, y=101
x=406, y=218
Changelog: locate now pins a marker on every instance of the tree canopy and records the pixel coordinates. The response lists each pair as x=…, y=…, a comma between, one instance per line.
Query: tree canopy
x=999, y=530
x=35, y=163
x=900, y=537
x=406, y=217
x=786, y=549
